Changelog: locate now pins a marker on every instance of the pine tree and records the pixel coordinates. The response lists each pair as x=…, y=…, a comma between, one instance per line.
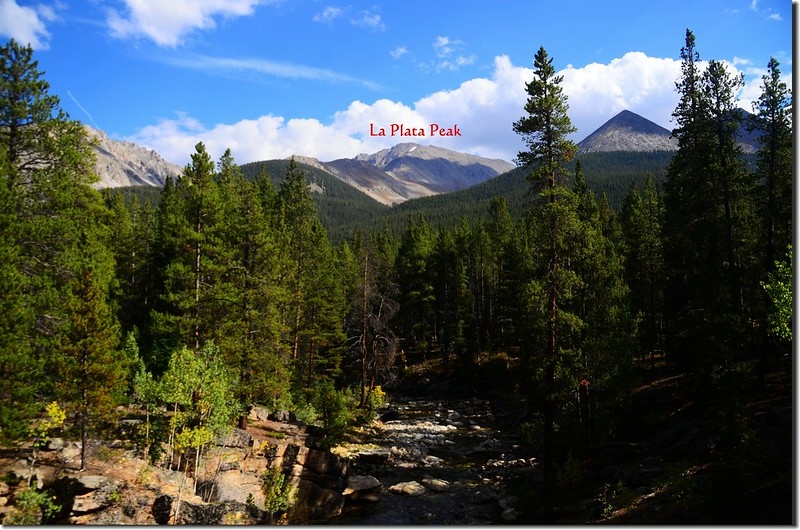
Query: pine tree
x=18, y=367
x=642, y=218
x=54, y=216
x=708, y=218
x=315, y=308
x=188, y=312
x=252, y=329
x=416, y=287
x=544, y=129
x=93, y=373
x=773, y=119
x=451, y=298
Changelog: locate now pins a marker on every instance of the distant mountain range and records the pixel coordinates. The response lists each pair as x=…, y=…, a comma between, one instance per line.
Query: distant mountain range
x=405, y=171
x=408, y=170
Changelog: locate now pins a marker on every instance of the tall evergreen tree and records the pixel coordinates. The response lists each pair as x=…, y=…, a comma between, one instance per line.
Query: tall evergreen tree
x=251, y=331
x=545, y=129
x=315, y=308
x=642, y=218
x=708, y=210
x=189, y=313
x=416, y=288
x=773, y=122
x=92, y=371
x=53, y=214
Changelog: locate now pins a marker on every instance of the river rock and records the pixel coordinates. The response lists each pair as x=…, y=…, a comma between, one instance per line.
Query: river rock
x=412, y=489
x=509, y=515
x=363, y=488
x=436, y=484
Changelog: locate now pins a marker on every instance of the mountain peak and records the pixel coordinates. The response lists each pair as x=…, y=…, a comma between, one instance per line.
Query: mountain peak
x=127, y=164
x=627, y=131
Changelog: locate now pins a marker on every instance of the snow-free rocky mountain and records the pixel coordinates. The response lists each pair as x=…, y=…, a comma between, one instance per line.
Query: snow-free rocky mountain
x=627, y=131
x=127, y=164
x=403, y=172
x=409, y=170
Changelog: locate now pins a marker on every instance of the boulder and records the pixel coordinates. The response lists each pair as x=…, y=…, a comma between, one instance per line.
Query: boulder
x=91, y=482
x=314, y=504
x=283, y=416
x=55, y=444
x=236, y=438
x=362, y=488
x=258, y=413
x=90, y=502
x=509, y=515
x=412, y=489
x=71, y=452
x=436, y=484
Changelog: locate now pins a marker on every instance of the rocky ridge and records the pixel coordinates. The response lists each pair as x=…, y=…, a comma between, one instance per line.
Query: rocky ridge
x=120, y=488
x=409, y=170
x=127, y=164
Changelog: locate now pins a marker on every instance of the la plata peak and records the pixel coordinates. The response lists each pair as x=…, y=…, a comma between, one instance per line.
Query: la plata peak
x=399, y=129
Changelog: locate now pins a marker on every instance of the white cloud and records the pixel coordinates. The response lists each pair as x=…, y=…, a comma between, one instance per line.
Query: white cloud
x=445, y=49
x=644, y=85
x=774, y=16
x=328, y=14
x=483, y=108
x=398, y=52
x=445, y=46
x=27, y=25
x=369, y=19
x=235, y=66
x=167, y=23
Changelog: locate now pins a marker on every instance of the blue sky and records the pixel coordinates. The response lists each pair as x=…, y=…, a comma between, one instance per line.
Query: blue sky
x=274, y=78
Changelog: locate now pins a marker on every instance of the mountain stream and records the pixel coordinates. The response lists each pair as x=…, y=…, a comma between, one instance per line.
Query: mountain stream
x=437, y=462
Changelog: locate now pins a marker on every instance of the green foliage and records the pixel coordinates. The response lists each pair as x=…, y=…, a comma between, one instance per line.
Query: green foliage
x=680, y=484
x=615, y=497
x=710, y=220
x=31, y=508
x=779, y=288
x=52, y=234
x=277, y=491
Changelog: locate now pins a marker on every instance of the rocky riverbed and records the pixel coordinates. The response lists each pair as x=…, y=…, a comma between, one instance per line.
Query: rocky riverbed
x=432, y=462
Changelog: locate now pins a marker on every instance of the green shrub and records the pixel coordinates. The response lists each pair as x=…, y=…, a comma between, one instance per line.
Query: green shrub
x=276, y=491
x=32, y=508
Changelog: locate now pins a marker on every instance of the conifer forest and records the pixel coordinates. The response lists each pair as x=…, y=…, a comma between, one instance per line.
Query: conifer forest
x=567, y=311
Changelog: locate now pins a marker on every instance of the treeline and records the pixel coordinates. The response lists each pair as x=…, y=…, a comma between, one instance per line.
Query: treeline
x=228, y=291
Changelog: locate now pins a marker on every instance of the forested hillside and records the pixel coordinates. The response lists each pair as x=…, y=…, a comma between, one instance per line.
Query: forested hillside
x=236, y=288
